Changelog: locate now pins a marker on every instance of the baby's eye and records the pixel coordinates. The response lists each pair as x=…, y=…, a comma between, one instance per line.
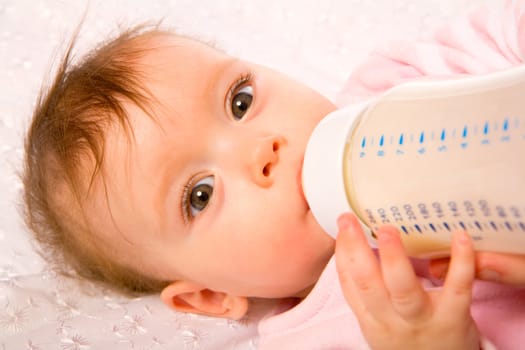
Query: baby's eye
x=241, y=101
x=199, y=195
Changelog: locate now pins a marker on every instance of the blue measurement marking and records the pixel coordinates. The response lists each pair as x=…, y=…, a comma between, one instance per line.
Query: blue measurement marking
x=404, y=229
x=464, y=135
x=486, y=128
x=509, y=226
x=522, y=226
x=478, y=225
x=505, y=128
x=493, y=225
x=446, y=226
x=417, y=228
x=432, y=227
x=462, y=225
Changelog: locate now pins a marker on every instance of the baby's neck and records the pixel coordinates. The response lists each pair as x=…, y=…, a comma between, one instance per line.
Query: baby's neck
x=303, y=293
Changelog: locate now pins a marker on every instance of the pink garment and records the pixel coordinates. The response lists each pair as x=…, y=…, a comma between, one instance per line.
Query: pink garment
x=323, y=320
x=487, y=40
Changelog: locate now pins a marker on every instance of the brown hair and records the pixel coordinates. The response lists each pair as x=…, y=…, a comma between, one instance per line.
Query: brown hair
x=65, y=150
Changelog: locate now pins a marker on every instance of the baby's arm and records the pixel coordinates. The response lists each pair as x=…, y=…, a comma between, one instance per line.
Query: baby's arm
x=393, y=309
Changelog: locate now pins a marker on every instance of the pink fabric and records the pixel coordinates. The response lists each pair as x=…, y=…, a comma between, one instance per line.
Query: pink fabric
x=487, y=40
x=323, y=320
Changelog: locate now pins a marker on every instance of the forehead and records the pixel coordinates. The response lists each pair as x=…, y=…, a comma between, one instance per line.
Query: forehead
x=178, y=53
x=179, y=71
x=174, y=70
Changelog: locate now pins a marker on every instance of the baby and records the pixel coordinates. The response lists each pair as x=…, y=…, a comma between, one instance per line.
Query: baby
x=160, y=164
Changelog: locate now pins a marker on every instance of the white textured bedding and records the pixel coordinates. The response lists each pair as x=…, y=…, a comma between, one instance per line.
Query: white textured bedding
x=317, y=42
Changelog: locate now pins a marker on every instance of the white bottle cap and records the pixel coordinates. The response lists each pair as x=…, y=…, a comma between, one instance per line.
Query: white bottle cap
x=323, y=178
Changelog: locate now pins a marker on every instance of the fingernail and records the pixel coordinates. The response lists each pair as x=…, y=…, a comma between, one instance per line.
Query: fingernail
x=462, y=238
x=490, y=275
x=344, y=221
x=384, y=236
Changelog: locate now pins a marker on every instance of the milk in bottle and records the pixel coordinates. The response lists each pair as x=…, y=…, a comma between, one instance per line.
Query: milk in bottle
x=429, y=157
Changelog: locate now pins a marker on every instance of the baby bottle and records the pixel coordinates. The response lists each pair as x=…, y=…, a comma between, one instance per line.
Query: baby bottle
x=429, y=157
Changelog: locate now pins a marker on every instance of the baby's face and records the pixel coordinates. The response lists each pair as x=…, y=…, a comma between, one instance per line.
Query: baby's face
x=210, y=191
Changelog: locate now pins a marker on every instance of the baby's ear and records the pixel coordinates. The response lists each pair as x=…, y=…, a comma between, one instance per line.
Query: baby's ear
x=191, y=297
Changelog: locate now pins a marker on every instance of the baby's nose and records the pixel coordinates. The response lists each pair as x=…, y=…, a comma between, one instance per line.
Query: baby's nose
x=265, y=159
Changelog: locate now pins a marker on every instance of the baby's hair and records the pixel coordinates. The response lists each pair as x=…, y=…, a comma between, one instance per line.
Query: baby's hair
x=64, y=153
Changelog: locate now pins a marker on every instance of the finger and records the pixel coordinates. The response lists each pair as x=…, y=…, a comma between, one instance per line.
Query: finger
x=499, y=267
x=457, y=290
x=407, y=296
x=358, y=270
